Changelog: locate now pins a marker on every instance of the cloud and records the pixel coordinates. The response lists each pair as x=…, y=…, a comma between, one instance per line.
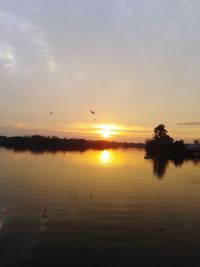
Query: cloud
x=24, y=45
x=52, y=66
x=80, y=74
x=7, y=58
x=2, y=14
x=194, y=123
x=94, y=129
x=126, y=84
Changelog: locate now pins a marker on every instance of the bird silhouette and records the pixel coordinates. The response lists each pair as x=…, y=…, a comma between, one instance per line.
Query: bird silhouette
x=92, y=112
x=51, y=113
x=45, y=215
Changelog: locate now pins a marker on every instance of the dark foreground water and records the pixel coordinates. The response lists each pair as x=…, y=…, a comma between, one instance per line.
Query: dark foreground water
x=98, y=208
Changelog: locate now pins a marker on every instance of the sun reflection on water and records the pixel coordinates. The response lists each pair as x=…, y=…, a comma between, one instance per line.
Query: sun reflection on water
x=105, y=156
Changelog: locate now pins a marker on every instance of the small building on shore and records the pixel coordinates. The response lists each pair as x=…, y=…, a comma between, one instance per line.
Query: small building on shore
x=193, y=149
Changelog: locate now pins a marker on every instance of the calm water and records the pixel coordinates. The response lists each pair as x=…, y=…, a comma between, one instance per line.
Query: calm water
x=98, y=208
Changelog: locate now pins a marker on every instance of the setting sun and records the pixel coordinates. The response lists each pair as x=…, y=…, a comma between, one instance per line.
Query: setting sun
x=107, y=130
x=106, y=133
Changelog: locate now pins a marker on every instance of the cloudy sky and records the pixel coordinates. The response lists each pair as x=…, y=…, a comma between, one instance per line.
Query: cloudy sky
x=135, y=62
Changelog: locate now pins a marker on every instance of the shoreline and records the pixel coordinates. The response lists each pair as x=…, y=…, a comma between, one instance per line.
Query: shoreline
x=39, y=143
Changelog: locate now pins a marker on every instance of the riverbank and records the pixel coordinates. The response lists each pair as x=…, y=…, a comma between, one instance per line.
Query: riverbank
x=40, y=143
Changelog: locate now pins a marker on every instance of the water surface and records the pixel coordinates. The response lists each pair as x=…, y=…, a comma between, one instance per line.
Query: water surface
x=98, y=208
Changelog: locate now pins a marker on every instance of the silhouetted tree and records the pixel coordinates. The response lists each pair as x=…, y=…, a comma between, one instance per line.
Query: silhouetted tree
x=161, y=143
x=160, y=131
x=178, y=150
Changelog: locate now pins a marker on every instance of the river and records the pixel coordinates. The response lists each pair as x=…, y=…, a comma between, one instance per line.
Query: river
x=98, y=208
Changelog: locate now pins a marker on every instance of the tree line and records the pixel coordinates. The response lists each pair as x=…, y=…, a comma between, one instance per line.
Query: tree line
x=39, y=143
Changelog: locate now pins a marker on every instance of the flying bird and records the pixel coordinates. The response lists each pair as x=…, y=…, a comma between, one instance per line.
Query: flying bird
x=44, y=215
x=92, y=112
x=51, y=113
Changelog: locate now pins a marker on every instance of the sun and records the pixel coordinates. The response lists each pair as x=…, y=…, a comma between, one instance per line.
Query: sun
x=107, y=130
x=106, y=133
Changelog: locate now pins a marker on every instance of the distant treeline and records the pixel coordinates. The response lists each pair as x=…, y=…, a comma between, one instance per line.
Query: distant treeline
x=38, y=143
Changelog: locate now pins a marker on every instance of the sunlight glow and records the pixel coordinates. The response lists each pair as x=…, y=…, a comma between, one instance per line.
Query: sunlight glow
x=106, y=133
x=107, y=130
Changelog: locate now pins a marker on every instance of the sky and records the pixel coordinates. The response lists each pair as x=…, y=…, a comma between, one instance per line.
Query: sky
x=136, y=63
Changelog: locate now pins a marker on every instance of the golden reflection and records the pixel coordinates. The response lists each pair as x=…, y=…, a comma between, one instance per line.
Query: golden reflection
x=105, y=156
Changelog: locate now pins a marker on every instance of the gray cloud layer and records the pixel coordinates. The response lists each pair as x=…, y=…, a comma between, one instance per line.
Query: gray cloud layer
x=194, y=123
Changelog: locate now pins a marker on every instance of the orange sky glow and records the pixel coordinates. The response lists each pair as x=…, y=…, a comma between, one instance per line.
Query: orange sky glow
x=61, y=62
